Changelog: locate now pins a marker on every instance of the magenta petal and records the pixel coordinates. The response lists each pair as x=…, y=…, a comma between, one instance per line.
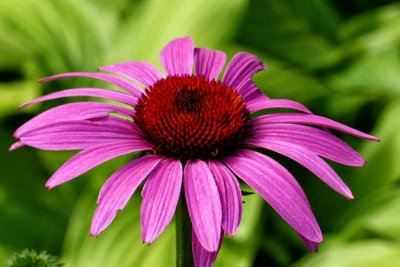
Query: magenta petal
x=309, y=160
x=163, y=187
x=91, y=157
x=240, y=71
x=260, y=104
x=121, y=83
x=120, y=123
x=312, y=120
x=118, y=189
x=108, y=125
x=317, y=140
x=208, y=63
x=279, y=188
x=72, y=111
x=202, y=257
x=93, y=92
x=177, y=57
x=16, y=145
x=249, y=88
x=312, y=246
x=256, y=101
x=230, y=195
x=71, y=135
x=142, y=72
x=204, y=204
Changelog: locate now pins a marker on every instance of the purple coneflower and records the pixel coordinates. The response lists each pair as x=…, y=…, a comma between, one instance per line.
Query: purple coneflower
x=196, y=131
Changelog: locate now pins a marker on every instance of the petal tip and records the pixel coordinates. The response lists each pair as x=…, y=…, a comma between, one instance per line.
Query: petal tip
x=350, y=196
x=23, y=105
x=146, y=239
x=346, y=192
x=372, y=138
x=313, y=249
x=49, y=185
x=43, y=80
x=231, y=235
x=320, y=238
x=317, y=236
x=95, y=228
x=94, y=233
x=144, y=242
x=186, y=38
x=16, y=145
x=362, y=163
x=229, y=232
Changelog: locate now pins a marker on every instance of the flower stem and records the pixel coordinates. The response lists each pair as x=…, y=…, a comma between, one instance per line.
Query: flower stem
x=184, y=257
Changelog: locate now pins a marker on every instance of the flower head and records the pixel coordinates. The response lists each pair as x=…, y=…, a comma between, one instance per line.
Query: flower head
x=196, y=132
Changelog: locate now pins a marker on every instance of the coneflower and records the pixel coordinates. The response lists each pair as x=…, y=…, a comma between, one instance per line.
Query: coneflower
x=197, y=133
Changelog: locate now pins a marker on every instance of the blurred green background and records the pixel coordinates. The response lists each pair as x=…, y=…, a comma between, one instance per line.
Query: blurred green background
x=341, y=58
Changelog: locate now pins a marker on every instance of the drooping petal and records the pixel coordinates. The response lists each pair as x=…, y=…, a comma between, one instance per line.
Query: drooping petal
x=208, y=63
x=279, y=188
x=240, y=71
x=312, y=246
x=142, y=72
x=117, y=81
x=163, y=187
x=177, y=57
x=93, y=92
x=260, y=104
x=91, y=157
x=230, y=195
x=309, y=160
x=312, y=120
x=118, y=189
x=72, y=111
x=73, y=135
x=202, y=257
x=203, y=203
x=318, y=141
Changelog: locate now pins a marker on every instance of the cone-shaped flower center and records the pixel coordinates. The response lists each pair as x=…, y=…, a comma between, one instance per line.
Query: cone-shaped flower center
x=189, y=117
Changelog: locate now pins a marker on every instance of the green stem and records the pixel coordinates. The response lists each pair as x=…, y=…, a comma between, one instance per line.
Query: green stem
x=184, y=257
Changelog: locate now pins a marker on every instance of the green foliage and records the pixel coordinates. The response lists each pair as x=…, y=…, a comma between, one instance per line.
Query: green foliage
x=341, y=58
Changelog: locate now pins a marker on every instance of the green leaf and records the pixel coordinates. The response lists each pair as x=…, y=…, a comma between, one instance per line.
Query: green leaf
x=26, y=207
x=157, y=22
x=14, y=94
x=284, y=81
x=376, y=214
x=369, y=253
x=288, y=31
x=382, y=166
x=57, y=43
x=375, y=66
